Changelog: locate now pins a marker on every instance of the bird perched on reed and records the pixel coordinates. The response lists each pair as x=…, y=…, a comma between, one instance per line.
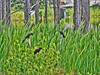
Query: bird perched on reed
x=27, y=37
x=37, y=50
x=62, y=34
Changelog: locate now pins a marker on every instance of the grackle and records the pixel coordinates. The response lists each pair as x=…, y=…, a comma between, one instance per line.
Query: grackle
x=37, y=50
x=62, y=34
x=27, y=36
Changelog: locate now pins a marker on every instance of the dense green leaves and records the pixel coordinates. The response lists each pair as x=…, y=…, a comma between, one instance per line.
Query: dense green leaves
x=76, y=52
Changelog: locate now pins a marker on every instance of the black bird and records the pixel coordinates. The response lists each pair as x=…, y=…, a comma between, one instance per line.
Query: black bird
x=62, y=34
x=27, y=36
x=37, y=50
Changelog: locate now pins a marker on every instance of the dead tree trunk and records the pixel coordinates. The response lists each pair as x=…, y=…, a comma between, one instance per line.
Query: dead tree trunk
x=37, y=12
x=26, y=12
x=77, y=13
x=8, y=12
x=46, y=11
x=86, y=13
x=0, y=10
x=56, y=6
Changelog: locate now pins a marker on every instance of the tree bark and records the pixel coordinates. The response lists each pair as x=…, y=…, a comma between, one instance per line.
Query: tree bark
x=46, y=11
x=86, y=13
x=0, y=10
x=56, y=6
x=26, y=12
x=4, y=11
x=8, y=12
x=37, y=12
x=77, y=14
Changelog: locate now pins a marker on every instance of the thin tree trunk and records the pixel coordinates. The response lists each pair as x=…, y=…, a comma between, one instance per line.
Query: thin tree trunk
x=37, y=12
x=77, y=13
x=86, y=13
x=56, y=6
x=26, y=12
x=0, y=10
x=8, y=12
x=4, y=11
x=46, y=11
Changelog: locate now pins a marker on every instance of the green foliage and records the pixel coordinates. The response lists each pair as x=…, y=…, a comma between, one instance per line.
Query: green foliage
x=95, y=15
x=77, y=52
x=17, y=18
x=17, y=4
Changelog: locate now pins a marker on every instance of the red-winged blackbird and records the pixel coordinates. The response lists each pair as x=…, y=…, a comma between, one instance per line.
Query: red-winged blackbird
x=37, y=50
x=27, y=36
x=62, y=34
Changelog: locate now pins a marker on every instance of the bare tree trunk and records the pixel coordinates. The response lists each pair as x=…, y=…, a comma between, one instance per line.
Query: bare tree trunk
x=86, y=13
x=77, y=13
x=27, y=12
x=4, y=11
x=46, y=11
x=0, y=10
x=37, y=12
x=56, y=5
x=8, y=12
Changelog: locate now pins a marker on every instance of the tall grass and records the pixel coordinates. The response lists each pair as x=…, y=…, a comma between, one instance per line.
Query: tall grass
x=76, y=52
